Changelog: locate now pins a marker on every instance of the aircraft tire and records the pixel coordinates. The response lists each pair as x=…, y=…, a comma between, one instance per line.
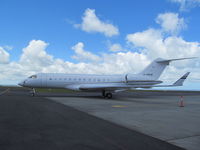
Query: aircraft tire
x=109, y=95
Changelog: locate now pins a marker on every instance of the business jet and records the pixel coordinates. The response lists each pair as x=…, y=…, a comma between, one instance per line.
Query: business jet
x=106, y=84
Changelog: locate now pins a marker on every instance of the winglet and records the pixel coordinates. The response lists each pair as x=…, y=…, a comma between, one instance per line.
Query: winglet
x=180, y=81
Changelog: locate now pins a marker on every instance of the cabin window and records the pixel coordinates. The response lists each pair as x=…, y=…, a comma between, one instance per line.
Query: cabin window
x=89, y=79
x=98, y=80
x=50, y=78
x=74, y=79
x=69, y=78
x=79, y=79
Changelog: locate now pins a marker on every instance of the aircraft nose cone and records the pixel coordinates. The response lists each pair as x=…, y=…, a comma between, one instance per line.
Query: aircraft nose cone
x=21, y=83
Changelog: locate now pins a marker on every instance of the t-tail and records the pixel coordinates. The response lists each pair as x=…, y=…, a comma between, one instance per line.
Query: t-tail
x=154, y=70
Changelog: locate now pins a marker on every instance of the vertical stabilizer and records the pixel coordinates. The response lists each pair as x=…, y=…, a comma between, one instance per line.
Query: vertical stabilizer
x=155, y=69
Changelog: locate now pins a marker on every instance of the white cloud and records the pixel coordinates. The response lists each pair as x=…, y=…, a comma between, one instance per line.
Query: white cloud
x=8, y=47
x=124, y=62
x=153, y=43
x=35, y=54
x=115, y=63
x=187, y=4
x=83, y=55
x=150, y=38
x=35, y=59
x=115, y=47
x=171, y=22
x=91, y=23
x=4, y=56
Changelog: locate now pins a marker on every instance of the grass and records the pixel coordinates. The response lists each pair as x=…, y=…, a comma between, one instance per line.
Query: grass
x=44, y=90
x=40, y=90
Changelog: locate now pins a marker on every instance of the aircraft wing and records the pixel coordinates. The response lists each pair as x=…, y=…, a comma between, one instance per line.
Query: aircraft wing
x=99, y=87
x=105, y=86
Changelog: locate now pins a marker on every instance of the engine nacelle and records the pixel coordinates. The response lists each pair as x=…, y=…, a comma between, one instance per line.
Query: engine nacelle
x=129, y=78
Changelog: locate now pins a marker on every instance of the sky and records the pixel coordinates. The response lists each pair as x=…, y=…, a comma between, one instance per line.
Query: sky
x=98, y=37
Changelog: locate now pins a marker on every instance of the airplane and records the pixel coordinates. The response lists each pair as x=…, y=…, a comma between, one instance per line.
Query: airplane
x=106, y=84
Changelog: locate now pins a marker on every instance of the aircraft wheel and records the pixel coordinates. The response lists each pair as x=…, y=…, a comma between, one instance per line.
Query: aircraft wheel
x=109, y=95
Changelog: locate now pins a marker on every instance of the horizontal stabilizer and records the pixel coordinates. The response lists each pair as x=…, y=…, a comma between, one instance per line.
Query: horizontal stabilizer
x=169, y=60
x=180, y=81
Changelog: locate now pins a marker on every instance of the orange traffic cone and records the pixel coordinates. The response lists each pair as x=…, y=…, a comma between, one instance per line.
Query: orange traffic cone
x=181, y=103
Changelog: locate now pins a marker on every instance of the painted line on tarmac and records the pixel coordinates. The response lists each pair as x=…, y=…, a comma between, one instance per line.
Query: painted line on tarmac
x=119, y=106
x=4, y=92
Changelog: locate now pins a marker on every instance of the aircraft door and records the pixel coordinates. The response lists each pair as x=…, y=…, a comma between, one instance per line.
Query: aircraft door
x=44, y=80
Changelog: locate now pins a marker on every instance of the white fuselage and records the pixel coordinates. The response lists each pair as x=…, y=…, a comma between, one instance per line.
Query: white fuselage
x=69, y=81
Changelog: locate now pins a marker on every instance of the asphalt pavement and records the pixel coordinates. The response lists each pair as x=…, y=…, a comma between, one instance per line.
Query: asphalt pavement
x=37, y=123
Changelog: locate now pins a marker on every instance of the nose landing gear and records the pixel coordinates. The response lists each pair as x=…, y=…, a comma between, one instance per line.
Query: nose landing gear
x=32, y=92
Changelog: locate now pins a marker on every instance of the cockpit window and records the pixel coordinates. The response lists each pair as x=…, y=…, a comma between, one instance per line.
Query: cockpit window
x=33, y=77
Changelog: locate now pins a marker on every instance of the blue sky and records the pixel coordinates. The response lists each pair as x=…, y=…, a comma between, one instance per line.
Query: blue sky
x=22, y=21
x=54, y=21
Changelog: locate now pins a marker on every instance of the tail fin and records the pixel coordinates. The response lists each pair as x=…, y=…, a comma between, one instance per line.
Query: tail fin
x=155, y=69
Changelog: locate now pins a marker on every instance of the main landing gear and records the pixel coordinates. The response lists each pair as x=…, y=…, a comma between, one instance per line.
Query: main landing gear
x=107, y=94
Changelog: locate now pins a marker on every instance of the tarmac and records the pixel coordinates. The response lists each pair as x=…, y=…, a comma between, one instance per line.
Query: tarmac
x=140, y=121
